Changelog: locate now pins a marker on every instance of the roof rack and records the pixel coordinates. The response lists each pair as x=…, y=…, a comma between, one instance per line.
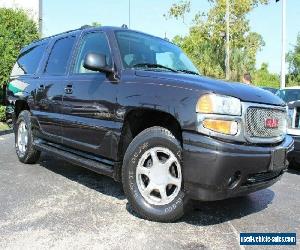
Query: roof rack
x=86, y=27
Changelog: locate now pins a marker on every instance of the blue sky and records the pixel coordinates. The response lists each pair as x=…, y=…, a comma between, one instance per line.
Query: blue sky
x=147, y=16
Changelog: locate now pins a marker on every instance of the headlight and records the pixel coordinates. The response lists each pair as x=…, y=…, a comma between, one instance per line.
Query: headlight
x=217, y=104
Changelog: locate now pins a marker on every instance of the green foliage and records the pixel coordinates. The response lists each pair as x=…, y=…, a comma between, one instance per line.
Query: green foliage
x=3, y=126
x=96, y=24
x=2, y=114
x=205, y=43
x=293, y=58
x=16, y=31
x=179, y=10
x=263, y=78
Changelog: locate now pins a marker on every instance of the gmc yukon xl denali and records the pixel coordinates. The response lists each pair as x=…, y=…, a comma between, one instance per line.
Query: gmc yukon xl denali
x=133, y=107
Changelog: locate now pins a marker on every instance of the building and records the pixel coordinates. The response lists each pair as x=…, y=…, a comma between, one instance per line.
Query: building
x=32, y=7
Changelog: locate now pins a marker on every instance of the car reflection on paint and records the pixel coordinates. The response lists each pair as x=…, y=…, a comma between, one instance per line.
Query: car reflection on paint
x=291, y=96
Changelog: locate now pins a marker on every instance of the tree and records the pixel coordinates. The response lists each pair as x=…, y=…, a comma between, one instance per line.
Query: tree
x=96, y=24
x=205, y=42
x=293, y=58
x=263, y=78
x=16, y=31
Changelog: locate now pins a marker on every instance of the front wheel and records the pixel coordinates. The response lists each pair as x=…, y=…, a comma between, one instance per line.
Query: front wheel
x=152, y=175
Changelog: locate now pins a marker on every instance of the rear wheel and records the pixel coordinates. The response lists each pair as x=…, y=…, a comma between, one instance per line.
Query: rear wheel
x=152, y=175
x=24, y=139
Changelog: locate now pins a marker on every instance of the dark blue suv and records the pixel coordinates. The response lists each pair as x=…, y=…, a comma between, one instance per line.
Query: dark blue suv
x=134, y=107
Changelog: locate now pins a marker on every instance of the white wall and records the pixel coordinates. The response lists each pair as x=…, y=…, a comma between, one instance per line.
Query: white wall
x=31, y=6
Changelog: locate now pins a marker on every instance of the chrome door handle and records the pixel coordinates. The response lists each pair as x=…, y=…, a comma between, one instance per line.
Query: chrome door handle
x=69, y=89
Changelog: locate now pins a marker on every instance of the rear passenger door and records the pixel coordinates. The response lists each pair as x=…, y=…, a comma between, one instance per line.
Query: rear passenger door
x=89, y=106
x=51, y=88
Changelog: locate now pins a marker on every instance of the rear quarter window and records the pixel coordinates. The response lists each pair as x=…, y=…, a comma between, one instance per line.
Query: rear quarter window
x=29, y=60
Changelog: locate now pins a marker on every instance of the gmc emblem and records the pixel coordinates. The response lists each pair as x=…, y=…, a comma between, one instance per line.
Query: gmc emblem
x=271, y=123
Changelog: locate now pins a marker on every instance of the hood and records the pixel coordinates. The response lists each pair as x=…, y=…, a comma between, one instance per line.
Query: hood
x=244, y=92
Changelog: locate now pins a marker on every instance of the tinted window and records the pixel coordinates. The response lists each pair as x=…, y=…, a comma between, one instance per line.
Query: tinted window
x=60, y=55
x=92, y=43
x=29, y=60
x=289, y=95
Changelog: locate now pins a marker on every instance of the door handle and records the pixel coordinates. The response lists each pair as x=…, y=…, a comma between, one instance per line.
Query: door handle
x=69, y=89
x=41, y=87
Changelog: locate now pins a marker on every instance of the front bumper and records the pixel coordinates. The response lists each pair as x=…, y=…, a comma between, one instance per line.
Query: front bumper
x=209, y=164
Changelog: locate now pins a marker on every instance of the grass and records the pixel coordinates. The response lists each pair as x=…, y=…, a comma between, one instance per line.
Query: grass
x=3, y=126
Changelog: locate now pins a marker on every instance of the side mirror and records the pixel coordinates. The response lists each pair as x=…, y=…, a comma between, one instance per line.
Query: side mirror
x=96, y=62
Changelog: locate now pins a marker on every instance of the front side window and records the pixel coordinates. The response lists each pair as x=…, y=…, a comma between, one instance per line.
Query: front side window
x=60, y=55
x=151, y=53
x=95, y=42
x=29, y=60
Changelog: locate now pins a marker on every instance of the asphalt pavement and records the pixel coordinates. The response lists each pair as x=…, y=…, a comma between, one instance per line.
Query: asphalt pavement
x=54, y=204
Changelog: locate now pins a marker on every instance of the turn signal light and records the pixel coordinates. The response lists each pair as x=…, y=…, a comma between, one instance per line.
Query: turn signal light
x=221, y=126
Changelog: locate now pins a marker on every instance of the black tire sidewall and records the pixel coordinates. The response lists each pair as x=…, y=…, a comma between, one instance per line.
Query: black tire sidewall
x=143, y=142
x=24, y=117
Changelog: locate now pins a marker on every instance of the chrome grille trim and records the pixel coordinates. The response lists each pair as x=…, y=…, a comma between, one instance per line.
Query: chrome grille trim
x=255, y=122
x=254, y=116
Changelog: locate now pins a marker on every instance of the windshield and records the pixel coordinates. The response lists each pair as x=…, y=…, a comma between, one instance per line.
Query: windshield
x=151, y=53
x=289, y=95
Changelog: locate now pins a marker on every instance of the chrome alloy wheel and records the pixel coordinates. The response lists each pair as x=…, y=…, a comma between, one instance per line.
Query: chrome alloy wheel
x=22, y=142
x=158, y=176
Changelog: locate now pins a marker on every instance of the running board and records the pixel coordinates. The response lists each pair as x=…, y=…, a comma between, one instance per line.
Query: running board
x=75, y=159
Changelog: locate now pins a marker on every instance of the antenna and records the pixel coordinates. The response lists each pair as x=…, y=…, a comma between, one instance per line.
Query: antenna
x=129, y=13
x=40, y=21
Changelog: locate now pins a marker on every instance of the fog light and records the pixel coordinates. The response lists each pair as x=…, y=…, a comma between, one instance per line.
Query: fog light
x=234, y=180
x=221, y=126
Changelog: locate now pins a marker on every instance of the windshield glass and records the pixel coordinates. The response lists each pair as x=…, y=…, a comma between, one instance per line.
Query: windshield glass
x=151, y=53
x=289, y=95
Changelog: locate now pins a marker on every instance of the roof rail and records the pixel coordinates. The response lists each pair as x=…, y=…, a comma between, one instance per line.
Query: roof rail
x=86, y=27
x=48, y=37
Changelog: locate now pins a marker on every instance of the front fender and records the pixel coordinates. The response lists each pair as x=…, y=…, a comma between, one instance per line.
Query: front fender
x=178, y=102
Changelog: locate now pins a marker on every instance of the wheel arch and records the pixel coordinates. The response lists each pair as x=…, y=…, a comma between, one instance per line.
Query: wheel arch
x=137, y=120
x=20, y=105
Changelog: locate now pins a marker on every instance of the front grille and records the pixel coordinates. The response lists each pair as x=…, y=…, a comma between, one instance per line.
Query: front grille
x=262, y=177
x=255, y=123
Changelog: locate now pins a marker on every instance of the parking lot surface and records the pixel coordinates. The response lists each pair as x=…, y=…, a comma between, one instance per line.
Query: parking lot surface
x=54, y=204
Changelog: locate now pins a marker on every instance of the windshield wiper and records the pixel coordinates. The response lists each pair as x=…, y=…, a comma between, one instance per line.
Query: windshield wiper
x=188, y=72
x=153, y=65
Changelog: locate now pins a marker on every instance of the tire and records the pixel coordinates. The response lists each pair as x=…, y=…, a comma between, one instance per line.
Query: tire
x=24, y=139
x=164, y=203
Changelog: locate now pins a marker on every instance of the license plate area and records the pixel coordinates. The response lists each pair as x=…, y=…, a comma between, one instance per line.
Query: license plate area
x=278, y=159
